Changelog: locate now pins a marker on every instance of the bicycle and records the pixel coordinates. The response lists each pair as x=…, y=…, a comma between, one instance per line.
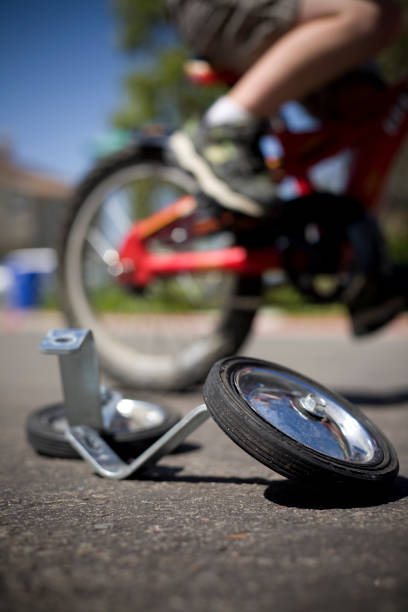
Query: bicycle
x=187, y=275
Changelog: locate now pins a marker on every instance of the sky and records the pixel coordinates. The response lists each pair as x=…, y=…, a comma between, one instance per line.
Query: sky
x=60, y=77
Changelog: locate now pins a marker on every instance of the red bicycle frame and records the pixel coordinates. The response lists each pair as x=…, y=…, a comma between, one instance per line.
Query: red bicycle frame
x=374, y=143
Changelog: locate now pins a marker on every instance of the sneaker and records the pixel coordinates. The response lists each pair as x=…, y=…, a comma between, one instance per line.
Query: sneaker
x=378, y=301
x=228, y=165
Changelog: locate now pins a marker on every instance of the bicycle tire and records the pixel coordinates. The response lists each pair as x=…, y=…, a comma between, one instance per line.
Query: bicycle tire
x=283, y=453
x=236, y=297
x=45, y=432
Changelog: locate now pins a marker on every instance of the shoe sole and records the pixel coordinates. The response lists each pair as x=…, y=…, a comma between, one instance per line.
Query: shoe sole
x=187, y=156
x=374, y=318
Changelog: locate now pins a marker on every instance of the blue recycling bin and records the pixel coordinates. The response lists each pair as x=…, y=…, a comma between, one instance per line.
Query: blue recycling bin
x=31, y=271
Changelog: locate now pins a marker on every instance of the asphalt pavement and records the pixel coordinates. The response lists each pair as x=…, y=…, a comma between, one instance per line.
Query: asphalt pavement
x=207, y=528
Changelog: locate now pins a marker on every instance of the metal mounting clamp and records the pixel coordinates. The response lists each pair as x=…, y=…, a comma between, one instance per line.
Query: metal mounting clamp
x=89, y=408
x=79, y=374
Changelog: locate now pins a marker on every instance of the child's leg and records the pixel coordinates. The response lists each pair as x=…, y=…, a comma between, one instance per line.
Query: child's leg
x=329, y=38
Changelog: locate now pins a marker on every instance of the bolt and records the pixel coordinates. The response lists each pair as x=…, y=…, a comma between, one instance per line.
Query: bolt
x=314, y=405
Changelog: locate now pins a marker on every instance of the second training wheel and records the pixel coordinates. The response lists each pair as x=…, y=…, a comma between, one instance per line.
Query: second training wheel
x=298, y=427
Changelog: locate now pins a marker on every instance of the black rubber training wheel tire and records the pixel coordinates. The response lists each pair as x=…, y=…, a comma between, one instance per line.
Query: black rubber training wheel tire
x=283, y=453
x=44, y=431
x=151, y=344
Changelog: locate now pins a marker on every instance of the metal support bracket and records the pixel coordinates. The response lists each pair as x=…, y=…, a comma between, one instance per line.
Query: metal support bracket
x=89, y=407
x=79, y=374
x=106, y=462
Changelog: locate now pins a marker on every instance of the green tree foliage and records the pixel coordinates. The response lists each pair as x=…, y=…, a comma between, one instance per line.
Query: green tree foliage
x=394, y=60
x=158, y=90
x=137, y=21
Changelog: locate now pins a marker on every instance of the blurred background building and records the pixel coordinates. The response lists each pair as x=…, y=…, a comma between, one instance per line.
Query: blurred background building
x=32, y=205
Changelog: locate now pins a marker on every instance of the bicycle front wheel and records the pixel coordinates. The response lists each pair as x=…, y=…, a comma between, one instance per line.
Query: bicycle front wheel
x=167, y=336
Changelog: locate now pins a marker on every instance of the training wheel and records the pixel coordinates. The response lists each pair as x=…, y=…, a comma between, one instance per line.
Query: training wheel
x=296, y=426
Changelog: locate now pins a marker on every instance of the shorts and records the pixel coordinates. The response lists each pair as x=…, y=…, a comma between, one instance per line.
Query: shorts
x=231, y=34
